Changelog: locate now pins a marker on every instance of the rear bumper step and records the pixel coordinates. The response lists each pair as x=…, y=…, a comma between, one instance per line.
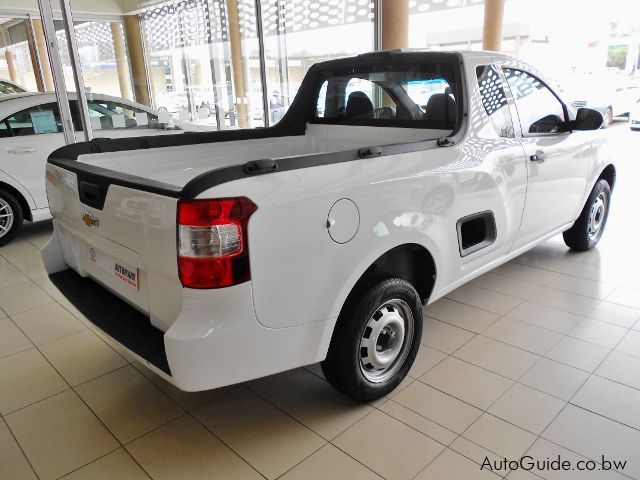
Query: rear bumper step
x=117, y=319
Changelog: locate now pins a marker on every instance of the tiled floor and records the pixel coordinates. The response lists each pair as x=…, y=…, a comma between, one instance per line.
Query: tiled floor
x=540, y=356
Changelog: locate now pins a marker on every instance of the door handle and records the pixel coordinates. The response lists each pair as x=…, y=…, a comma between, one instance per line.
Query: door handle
x=17, y=151
x=539, y=156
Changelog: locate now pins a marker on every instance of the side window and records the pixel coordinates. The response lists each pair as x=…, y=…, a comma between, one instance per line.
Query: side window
x=539, y=109
x=494, y=100
x=7, y=88
x=107, y=115
x=4, y=130
x=38, y=120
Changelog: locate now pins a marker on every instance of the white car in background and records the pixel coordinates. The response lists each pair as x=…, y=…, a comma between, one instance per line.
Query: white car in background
x=30, y=129
x=611, y=96
x=634, y=117
x=8, y=87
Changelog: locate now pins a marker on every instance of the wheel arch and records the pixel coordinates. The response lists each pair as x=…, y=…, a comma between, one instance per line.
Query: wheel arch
x=411, y=261
x=608, y=173
x=26, y=209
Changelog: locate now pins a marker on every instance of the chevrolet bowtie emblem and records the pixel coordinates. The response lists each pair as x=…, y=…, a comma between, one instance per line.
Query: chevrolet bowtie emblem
x=90, y=220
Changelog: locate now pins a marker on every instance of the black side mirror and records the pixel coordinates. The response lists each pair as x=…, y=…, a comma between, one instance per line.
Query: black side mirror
x=587, y=119
x=549, y=124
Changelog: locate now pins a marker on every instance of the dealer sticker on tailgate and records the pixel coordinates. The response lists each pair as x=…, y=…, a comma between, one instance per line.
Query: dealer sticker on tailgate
x=121, y=271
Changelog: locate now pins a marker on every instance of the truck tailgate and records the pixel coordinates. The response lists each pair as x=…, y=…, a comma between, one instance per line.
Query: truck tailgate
x=122, y=237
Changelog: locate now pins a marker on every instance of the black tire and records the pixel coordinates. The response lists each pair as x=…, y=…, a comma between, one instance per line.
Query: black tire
x=342, y=367
x=9, y=205
x=579, y=237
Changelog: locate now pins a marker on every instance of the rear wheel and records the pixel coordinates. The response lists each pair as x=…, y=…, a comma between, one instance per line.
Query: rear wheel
x=589, y=227
x=11, y=217
x=375, y=340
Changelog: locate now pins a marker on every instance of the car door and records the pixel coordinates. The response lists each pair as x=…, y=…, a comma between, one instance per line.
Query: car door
x=31, y=135
x=556, y=162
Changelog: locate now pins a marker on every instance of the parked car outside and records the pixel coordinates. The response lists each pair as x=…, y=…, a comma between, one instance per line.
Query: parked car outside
x=30, y=129
x=634, y=117
x=613, y=97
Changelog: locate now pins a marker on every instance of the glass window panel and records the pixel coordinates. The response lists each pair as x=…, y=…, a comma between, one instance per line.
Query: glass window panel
x=299, y=33
x=538, y=108
x=399, y=96
x=189, y=59
x=41, y=119
x=494, y=100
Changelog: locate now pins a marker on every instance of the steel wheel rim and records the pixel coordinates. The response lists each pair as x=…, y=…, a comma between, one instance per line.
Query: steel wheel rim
x=6, y=217
x=597, y=215
x=386, y=341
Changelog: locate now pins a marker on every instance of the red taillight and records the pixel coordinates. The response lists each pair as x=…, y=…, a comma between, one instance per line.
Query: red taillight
x=212, y=242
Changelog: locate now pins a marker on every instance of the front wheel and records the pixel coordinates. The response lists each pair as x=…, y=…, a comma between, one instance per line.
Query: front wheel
x=11, y=217
x=375, y=340
x=589, y=227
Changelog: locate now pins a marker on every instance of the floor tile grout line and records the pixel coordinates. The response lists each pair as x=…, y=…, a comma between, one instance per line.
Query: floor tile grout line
x=20, y=447
x=84, y=327
x=475, y=334
x=575, y=275
x=218, y=437
x=71, y=388
x=480, y=308
x=100, y=458
x=308, y=456
x=375, y=408
x=564, y=408
x=330, y=441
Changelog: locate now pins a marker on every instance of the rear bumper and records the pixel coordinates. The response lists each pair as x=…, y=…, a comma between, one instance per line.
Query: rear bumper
x=117, y=319
x=215, y=341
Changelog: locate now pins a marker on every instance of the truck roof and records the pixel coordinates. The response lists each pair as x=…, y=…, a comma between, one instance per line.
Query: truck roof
x=409, y=55
x=464, y=53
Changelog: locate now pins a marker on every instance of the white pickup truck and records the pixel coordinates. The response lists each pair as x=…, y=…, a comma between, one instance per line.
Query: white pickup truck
x=394, y=178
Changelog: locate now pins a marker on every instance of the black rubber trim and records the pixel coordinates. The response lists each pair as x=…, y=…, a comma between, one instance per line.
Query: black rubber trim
x=119, y=320
x=294, y=123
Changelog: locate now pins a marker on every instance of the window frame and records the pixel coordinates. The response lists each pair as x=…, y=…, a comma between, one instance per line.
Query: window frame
x=567, y=119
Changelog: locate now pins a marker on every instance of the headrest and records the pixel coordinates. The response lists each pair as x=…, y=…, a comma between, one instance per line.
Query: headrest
x=359, y=105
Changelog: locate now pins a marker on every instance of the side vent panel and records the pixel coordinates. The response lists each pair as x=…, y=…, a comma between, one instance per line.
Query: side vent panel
x=476, y=232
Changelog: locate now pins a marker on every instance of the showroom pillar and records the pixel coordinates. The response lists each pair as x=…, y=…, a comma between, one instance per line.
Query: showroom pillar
x=42, y=50
x=11, y=66
x=133, y=34
x=121, y=61
x=493, y=23
x=33, y=53
x=394, y=24
x=237, y=64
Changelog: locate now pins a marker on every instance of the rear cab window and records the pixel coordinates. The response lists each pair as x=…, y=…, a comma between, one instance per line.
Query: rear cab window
x=401, y=95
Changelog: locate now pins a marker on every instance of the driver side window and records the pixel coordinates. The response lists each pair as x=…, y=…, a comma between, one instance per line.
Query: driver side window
x=538, y=108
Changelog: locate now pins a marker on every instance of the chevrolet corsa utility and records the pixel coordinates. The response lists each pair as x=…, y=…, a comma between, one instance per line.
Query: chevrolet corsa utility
x=394, y=178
